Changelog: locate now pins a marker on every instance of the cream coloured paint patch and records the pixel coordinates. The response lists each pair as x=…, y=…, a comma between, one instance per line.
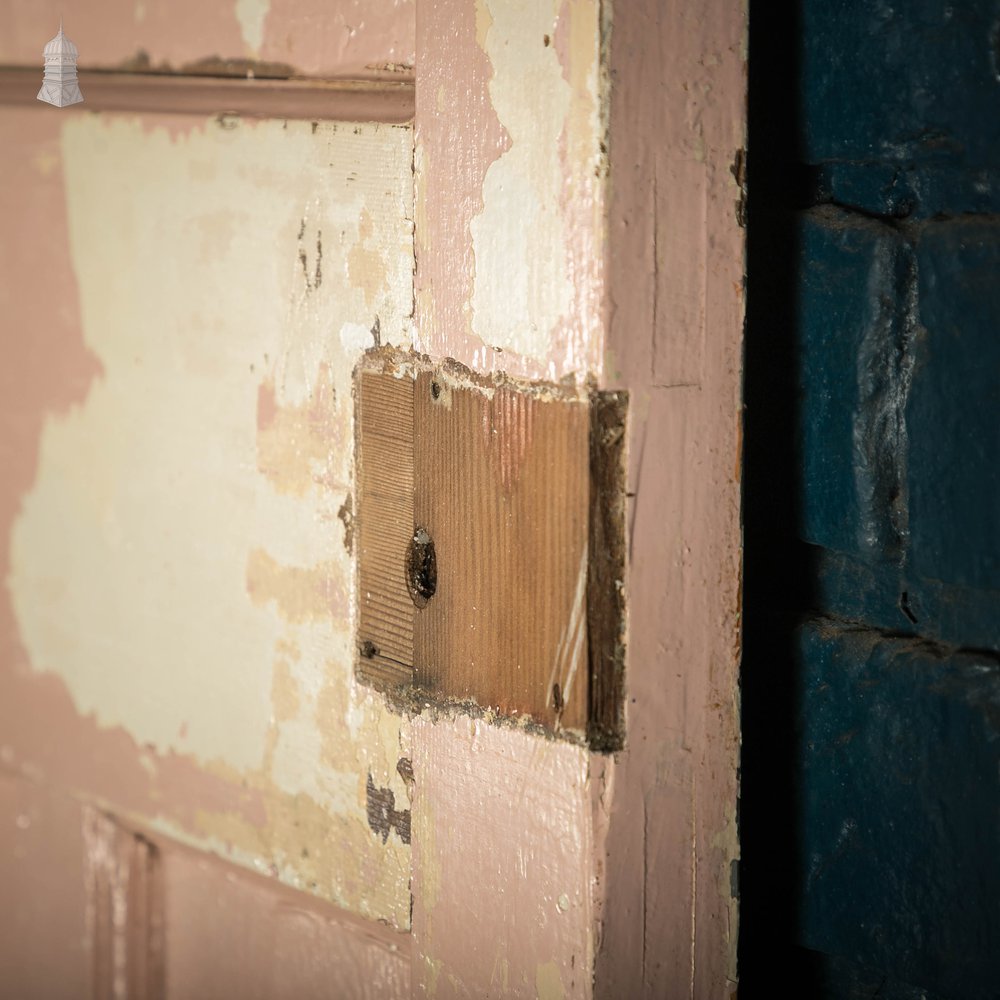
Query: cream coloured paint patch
x=548, y=984
x=179, y=562
x=251, y=15
x=522, y=287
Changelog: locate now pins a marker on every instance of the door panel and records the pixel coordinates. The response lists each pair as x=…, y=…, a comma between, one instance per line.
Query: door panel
x=179, y=568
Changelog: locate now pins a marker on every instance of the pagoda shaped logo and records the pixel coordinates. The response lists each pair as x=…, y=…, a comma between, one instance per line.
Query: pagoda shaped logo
x=60, y=86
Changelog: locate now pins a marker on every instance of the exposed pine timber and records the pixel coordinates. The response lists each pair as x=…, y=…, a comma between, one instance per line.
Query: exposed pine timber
x=385, y=484
x=478, y=582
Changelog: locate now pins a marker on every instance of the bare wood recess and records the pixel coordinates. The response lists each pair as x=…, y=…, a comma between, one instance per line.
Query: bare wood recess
x=385, y=485
x=336, y=100
x=480, y=501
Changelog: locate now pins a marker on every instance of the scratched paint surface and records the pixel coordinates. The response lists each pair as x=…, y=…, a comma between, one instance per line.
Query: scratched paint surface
x=331, y=38
x=179, y=562
x=524, y=924
x=510, y=249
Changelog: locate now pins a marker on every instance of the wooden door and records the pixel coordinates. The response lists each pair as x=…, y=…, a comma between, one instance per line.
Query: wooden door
x=199, y=795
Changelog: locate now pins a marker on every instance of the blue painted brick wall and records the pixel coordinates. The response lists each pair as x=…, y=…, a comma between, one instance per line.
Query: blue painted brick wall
x=953, y=411
x=899, y=756
x=897, y=360
x=894, y=82
x=853, y=324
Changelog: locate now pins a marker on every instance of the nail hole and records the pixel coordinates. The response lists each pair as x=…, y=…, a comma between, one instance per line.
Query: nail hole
x=435, y=390
x=369, y=650
x=421, y=568
x=557, y=699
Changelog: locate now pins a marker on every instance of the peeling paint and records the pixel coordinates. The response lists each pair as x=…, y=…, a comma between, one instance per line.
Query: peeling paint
x=365, y=265
x=548, y=983
x=383, y=816
x=297, y=444
x=300, y=594
x=521, y=283
x=175, y=563
x=523, y=210
x=251, y=15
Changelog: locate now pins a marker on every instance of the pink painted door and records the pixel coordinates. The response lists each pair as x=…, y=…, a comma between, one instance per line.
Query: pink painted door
x=197, y=796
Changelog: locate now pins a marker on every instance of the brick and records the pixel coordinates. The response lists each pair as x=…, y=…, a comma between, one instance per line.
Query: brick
x=953, y=411
x=899, y=807
x=901, y=82
x=892, y=597
x=852, y=326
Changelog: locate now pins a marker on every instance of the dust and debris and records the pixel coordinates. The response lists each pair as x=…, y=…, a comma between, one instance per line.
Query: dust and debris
x=605, y=594
x=739, y=172
x=207, y=66
x=395, y=68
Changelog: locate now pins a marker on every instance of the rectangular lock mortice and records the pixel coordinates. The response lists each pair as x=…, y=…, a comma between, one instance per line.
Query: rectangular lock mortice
x=490, y=527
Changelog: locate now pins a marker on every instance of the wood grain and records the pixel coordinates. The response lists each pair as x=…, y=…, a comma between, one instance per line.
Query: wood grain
x=510, y=484
x=502, y=489
x=606, y=572
x=385, y=488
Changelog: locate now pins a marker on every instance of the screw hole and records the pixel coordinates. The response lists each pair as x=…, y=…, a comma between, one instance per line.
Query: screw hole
x=435, y=390
x=369, y=650
x=421, y=568
x=557, y=699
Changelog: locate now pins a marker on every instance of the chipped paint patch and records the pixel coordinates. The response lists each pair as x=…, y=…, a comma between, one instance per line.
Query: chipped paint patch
x=178, y=563
x=297, y=443
x=548, y=983
x=300, y=594
x=251, y=15
x=517, y=218
x=521, y=283
x=383, y=816
x=365, y=264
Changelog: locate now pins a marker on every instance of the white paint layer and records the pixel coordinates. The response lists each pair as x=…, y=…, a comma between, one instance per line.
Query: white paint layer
x=179, y=562
x=522, y=287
